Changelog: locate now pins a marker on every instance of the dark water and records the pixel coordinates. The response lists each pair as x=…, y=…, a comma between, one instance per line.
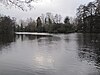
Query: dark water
x=70, y=54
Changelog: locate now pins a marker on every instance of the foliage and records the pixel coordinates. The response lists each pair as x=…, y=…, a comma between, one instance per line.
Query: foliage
x=7, y=25
x=88, y=17
x=66, y=20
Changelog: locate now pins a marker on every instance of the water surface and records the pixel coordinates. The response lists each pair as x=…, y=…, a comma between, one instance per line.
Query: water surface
x=62, y=54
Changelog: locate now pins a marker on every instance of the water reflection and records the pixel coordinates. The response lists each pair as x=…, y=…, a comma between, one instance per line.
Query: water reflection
x=6, y=40
x=89, y=48
x=43, y=61
x=40, y=39
x=30, y=37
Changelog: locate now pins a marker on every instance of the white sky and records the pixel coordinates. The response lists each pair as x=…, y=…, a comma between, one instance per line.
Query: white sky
x=62, y=7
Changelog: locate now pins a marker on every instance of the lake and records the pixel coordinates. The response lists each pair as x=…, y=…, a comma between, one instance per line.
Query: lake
x=60, y=54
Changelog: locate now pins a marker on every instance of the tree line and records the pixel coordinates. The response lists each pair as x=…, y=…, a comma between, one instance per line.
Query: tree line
x=87, y=21
x=47, y=23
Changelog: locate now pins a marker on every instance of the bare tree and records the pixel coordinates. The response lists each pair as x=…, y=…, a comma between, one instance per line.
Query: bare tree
x=43, y=19
x=57, y=18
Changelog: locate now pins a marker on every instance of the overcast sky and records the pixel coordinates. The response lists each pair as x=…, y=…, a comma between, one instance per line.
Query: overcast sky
x=62, y=7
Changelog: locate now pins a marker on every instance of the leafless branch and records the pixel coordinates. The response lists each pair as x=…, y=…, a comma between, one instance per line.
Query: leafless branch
x=22, y=4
